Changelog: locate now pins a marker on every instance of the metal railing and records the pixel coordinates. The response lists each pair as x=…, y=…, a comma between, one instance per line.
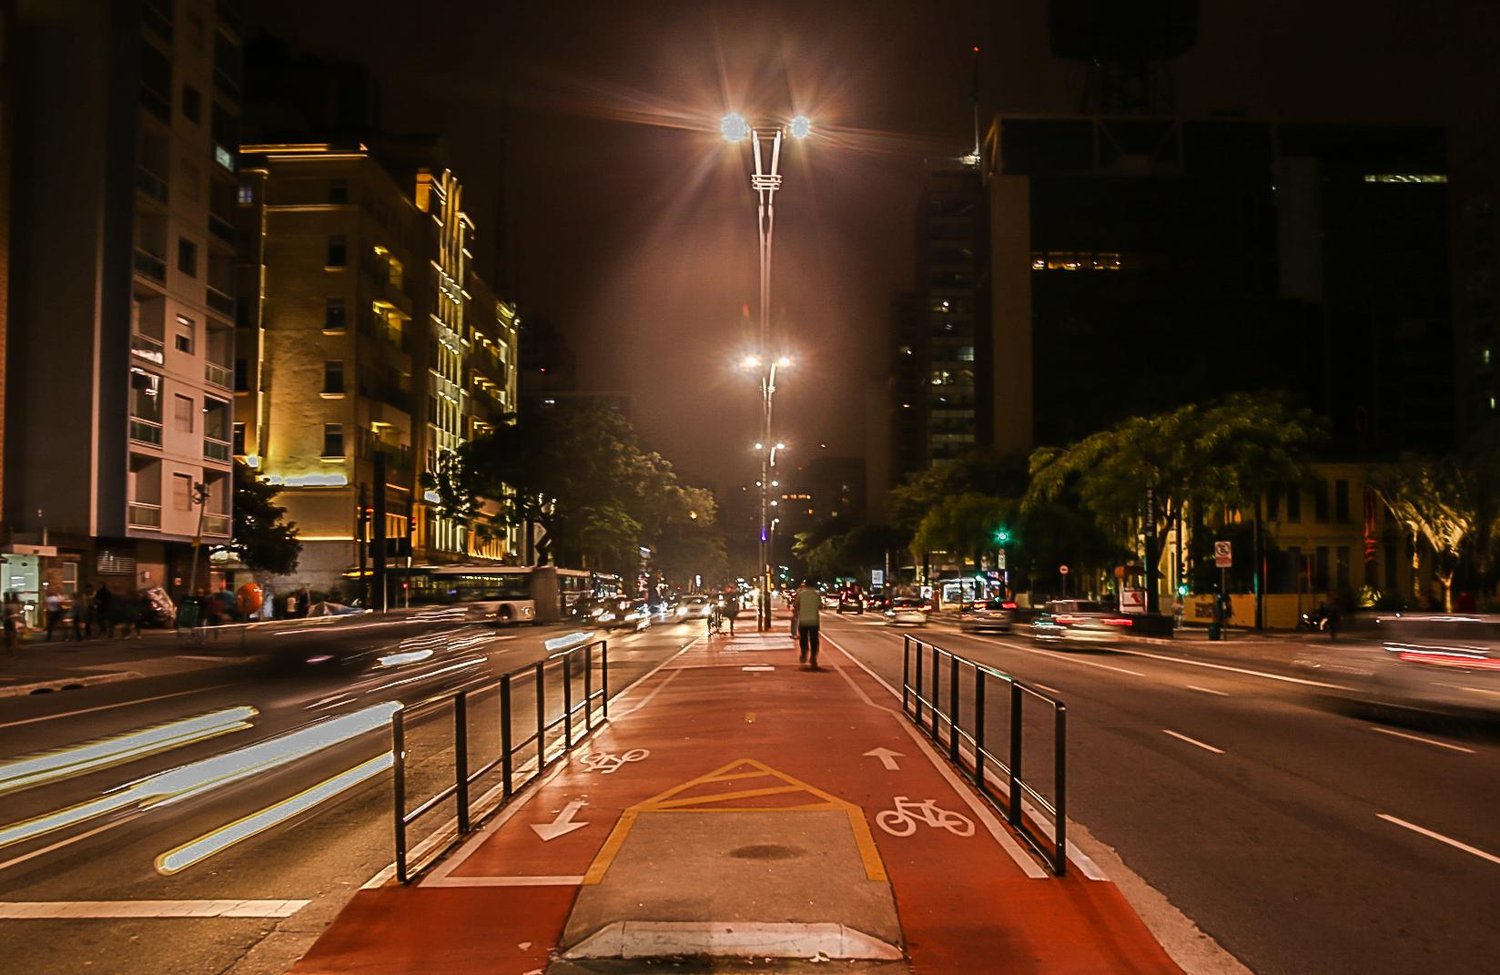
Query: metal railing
x=527, y=758
x=923, y=668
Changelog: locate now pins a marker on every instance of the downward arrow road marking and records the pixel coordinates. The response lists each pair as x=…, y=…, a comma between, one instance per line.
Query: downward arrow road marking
x=562, y=825
x=886, y=756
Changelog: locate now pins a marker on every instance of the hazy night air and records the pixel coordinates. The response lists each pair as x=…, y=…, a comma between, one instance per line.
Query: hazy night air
x=631, y=225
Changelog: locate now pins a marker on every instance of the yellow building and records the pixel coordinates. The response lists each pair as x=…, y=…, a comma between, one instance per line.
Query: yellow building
x=352, y=344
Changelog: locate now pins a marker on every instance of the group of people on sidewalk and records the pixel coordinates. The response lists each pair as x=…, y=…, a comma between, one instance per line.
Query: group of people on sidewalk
x=77, y=617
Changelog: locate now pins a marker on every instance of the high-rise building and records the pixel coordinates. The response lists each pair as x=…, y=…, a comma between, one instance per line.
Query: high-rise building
x=117, y=446
x=362, y=340
x=1141, y=263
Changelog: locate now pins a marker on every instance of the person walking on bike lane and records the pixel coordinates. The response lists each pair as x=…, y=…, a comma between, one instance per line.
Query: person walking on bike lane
x=805, y=611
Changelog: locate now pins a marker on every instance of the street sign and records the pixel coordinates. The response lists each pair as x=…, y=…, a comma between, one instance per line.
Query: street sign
x=1000, y=560
x=1063, y=569
x=877, y=578
x=1223, y=555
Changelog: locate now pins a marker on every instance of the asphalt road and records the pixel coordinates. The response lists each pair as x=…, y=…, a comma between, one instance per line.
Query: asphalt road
x=1302, y=837
x=269, y=887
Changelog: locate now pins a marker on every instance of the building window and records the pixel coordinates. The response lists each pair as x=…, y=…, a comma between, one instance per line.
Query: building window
x=1341, y=502
x=192, y=104
x=239, y=438
x=182, y=413
x=333, y=440
x=338, y=191
x=333, y=376
x=187, y=257
x=241, y=375
x=335, y=315
x=184, y=334
x=247, y=194
x=338, y=251
x=182, y=492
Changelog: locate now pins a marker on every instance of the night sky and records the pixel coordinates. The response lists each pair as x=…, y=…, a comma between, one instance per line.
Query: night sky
x=631, y=224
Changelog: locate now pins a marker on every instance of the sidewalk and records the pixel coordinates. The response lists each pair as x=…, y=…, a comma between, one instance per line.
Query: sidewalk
x=740, y=807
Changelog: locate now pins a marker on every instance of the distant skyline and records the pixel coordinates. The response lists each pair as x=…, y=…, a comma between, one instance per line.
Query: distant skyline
x=631, y=225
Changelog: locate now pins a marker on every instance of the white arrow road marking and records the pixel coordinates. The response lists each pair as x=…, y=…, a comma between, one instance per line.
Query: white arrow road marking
x=886, y=756
x=562, y=825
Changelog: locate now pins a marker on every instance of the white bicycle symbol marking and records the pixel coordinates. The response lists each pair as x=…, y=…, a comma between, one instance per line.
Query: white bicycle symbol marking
x=902, y=821
x=605, y=763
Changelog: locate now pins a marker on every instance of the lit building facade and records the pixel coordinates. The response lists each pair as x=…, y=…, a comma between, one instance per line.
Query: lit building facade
x=358, y=341
x=121, y=291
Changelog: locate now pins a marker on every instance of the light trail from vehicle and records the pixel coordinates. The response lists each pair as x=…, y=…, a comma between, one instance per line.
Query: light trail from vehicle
x=187, y=781
x=65, y=763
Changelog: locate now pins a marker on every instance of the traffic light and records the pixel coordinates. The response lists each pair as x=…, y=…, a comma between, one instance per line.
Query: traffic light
x=1002, y=536
x=411, y=525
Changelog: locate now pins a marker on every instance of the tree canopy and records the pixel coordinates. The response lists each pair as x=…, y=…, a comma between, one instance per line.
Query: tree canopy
x=262, y=541
x=1436, y=499
x=577, y=469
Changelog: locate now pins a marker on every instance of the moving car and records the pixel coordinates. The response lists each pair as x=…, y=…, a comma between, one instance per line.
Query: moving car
x=851, y=601
x=990, y=616
x=907, y=611
x=623, y=611
x=695, y=608
x=1078, y=621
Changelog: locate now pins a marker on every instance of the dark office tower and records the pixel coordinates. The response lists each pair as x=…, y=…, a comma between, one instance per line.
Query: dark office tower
x=908, y=387
x=1476, y=291
x=1143, y=263
x=126, y=120
x=951, y=266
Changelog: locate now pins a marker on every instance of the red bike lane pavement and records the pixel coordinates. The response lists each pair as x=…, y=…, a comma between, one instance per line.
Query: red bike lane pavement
x=736, y=804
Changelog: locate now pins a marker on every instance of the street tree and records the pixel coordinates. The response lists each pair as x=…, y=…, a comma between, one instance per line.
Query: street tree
x=1195, y=461
x=262, y=540
x=1435, y=499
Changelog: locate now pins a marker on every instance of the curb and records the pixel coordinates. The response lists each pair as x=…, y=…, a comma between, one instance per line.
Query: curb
x=67, y=683
x=665, y=939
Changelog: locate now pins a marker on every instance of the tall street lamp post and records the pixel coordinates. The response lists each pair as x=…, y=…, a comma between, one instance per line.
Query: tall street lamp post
x=765, y=180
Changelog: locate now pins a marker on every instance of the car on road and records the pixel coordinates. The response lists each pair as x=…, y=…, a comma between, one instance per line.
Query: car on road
x=907, y=611
x=1078, y=621
x=695, y=608
x=990, y=616
x=877, y=602
x=851, y=601
x=625, y=612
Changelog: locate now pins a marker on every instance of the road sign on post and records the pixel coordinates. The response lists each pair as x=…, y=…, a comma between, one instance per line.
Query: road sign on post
x=1223, y=555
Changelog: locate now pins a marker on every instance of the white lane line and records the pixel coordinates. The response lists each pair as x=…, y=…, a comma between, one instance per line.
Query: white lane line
x=1193, y=741
x=1207, y=690
x=69, y=841
x=32, y=910
x=1049, y=690
x=1064, y=658
x=1425, y=741
x=1440, y=837
x=1236, y=670
x=111, y=707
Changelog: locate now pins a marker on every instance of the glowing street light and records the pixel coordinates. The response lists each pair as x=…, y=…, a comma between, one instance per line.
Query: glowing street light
x=765, y=180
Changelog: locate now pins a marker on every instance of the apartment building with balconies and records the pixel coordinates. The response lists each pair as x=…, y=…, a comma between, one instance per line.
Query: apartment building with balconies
x=118, y=453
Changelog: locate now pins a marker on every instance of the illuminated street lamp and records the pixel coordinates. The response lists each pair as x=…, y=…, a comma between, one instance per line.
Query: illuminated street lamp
x=765, y=180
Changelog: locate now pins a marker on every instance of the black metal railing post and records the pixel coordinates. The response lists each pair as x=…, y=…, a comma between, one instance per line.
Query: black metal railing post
x=398, y=789
x=461, y=757
x=567, y=712
x=604, y=675
x=506, y=744
x=917, y=716
x=1014, y=812
x=588, y=688
x=541, y=716
x=936, y=672
x=953, y=715
x=1060, y=786
x=905, y=671
x=979, y=676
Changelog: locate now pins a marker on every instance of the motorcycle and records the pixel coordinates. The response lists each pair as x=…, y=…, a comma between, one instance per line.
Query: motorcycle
x=1315, y=620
